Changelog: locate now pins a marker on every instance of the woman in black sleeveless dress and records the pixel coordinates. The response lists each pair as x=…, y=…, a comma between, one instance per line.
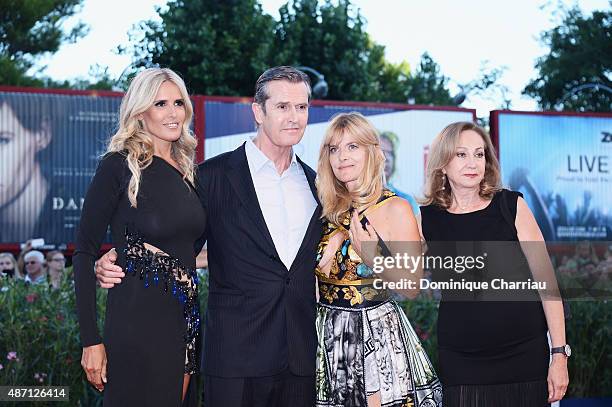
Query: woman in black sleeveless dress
x=144, y=189
x=491, y=353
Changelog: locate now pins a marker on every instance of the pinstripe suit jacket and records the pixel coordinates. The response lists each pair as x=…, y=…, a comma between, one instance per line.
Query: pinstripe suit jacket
x=260, y=317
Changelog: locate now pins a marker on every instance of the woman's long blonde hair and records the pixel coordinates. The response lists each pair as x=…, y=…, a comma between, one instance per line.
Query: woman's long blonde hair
x=132, y=138
x=443, y=149
x=333, y=194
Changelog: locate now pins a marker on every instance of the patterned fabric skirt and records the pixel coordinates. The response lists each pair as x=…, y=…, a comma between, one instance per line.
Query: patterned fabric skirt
x=372, y=350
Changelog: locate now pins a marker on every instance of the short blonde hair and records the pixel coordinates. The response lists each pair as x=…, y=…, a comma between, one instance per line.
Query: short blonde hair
x=443, y=149
x=133, y=138
x=333, y=194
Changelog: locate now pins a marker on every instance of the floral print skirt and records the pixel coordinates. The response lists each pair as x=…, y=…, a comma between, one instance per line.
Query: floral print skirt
x=372, y=350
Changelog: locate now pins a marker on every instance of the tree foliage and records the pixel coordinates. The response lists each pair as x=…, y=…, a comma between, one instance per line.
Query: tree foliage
x=487, y=86
x=579, y=54
x=330, y=38
x=226, y=45
x=428, y=85
x=29, y=29
x=219, y=47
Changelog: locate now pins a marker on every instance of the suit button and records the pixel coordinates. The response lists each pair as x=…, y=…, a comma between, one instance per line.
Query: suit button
x=287, y=281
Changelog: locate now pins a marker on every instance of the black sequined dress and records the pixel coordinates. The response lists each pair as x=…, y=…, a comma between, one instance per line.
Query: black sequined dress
x=152, y=324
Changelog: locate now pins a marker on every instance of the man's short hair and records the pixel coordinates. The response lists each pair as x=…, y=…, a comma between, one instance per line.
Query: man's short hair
x=34, y=255
x=278, y=73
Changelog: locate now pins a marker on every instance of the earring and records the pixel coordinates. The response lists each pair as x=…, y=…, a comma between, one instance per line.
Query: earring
x=443, y=181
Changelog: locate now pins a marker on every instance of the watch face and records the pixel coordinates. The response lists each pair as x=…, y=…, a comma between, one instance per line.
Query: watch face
x=568, y=351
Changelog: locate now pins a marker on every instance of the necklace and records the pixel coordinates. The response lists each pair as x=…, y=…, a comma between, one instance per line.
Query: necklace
x=465, y=207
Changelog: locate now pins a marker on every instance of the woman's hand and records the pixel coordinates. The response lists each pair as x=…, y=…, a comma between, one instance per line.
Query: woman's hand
x=558, y=378
x=359, y=236
x=329, y=254
x=94, y=365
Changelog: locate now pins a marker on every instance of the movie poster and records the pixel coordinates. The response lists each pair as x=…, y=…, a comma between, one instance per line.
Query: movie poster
x=562, y=166
x=50, y=145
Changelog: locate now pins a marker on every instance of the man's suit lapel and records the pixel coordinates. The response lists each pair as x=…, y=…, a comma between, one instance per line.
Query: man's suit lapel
x=314, y=220
x=239, y=176
x=311, y=176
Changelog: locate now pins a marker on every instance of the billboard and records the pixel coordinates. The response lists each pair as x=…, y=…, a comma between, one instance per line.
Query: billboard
x=49, y=148
x=561, y=163
x=51, y=141
x=405, y=135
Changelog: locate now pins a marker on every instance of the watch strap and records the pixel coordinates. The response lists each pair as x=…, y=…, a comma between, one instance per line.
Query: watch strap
x=564, y=350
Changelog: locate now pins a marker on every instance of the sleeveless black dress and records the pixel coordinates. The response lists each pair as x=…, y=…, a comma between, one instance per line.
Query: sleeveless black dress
x=491, y=353
x=151, y=330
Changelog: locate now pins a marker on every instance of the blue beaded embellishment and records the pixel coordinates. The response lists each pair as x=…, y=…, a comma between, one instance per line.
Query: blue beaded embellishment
x=364, y=271
x=183, y=282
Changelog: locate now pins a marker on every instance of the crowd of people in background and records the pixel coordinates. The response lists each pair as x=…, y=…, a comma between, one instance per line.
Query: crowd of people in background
x=35, y=267
x=585, y=274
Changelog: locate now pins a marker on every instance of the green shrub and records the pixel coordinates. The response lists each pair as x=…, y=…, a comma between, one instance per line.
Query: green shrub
x=40, y=336
x=422, y=313
x=588, y=332
x=40, y=345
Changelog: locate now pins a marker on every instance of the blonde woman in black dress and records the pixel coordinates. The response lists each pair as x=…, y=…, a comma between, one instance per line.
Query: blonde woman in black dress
x=144, y=189
x=491, y=353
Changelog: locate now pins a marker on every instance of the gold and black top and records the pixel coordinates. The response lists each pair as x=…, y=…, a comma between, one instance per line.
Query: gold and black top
x=350, y=282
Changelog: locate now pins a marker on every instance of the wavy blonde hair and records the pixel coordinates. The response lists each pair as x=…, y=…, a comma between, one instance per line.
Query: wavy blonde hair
x=136, y=142
x=333, y=194
x=443, y=150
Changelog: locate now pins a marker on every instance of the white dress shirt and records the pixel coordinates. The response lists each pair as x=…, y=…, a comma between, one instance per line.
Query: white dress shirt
x=286, y=201
x=42, y=278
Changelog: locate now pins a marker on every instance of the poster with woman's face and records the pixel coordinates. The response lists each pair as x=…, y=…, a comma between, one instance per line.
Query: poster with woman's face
x=19, y=146
x=49, y=149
